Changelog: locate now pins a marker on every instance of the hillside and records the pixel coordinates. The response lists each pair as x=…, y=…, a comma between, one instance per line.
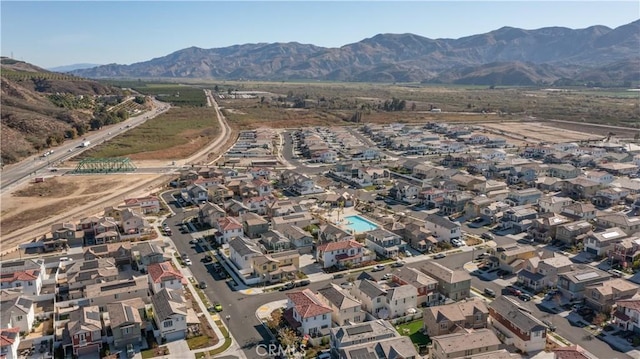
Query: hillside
x=539, y=56
x=39, y=108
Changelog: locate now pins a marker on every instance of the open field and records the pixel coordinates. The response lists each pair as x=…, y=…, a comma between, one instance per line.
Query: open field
x=174, y=135
x=27, y=211
x=176, y=94
x=540, y=132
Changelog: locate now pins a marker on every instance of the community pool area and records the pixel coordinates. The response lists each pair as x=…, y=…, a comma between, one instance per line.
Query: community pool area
x=358, y=224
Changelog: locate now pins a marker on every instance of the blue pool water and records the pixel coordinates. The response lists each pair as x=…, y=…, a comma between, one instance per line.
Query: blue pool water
x=358, y=224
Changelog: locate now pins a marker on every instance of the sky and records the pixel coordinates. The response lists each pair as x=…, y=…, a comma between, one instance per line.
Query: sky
x=57, y=33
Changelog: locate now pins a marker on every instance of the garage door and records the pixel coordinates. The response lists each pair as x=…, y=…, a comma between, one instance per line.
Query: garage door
x=174, y=336
x=89, y=352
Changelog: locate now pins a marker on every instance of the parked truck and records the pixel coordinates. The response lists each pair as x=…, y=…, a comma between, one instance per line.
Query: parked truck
x=85, y=143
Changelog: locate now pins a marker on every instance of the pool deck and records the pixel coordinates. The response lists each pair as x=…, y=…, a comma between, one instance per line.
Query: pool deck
x=337, y=217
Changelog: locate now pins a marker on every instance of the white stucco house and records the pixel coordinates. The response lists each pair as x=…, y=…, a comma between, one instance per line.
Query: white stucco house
x=307, y=314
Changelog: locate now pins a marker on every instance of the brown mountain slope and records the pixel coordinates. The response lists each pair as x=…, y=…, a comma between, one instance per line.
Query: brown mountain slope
x=29, y=120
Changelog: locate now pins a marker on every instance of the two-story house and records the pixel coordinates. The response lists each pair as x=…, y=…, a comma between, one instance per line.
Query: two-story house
x=539, y=273
x=16, y=310
x=629, y=224
x=572, y=284
x=519, y=218
x=170, y=314
x=454, y=284
x=401, y=300
x=371, y=295
x=579, y=211
x=9, y=342
x=345, y=309
x=385, y=243
x=517, y=326
x=300, y=239
x=573, y=232
x=164, y=275
x=466, y=343
x=307, y=314
x=627, y=250
x=254, y=225
x=442, y=228
x=332, y=233
x=210, y=213
x=241, y=252
x=445, y=319
x=511, y=258
x=126, y=322
x=601, y=243
x=144, y=205
x=25, y=274
x=85, y=330
x=602, y=296
x=147, y=253
x=426, y=286
x=553, y=204
x=375, y=339
x=228, y=228
x=627, y=315
x=342, y=254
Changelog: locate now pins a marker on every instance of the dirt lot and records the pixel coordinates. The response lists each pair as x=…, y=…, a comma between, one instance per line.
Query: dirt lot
x=30, y=210
x=535, y=132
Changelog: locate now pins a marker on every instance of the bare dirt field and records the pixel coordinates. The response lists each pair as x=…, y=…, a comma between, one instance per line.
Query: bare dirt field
x=30, y=210
x=540, y=132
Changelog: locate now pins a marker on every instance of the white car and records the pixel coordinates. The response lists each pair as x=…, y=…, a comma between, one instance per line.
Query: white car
x=386, y=276
x=378, y=267
x=188, y=262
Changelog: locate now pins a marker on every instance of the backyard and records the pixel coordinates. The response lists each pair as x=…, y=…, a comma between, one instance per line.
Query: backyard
x=413, y=330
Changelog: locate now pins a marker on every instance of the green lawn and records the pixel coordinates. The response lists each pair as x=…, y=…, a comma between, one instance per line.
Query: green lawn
x=156, y=352
x=413, y=330
x=198, y=342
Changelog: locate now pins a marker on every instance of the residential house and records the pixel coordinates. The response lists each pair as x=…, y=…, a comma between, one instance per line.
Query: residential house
x=512, y=258
x=164, y=275
x=372, y=296
x=572, y=284
x=538, y=273
x=418, y=237
x=134, y=223
x=377, y=339
x=9, y=342
x=601, y=243
x=16, y=310
x=619, y=220
x=609, y=196
x=627, y=315
x=446, y=319
x=228, y=228
x=100, y=294
x=121, y=252
x=553, y=204
x=263, y=186
x=300, y=239
x=236, y=208
x=331, y=233
x=69, y=232
x=84, y=328
x=464, y=344
x=147, y=253
x=259, y=204
x=454, y=284
x=345, y=310
x=144, y=205
x=307, y=314
x=210, y=213
x=274, y=241
x=544, y=228
x=519, y=218
x=426, y=286
x=74, y=276
x=455, y=202
x=242, y=251
x=126, y=322
x=601, y=177
x=579, y=211
x=574, y=232
x=384, y=243
x=300, y=219
x=254, y=225
x=196, y=194
x=517, y=326
x=401, y=300
x=170, y=314
x=572, y=352
x=219, y=194
x=602, y=296
x=25, y=274
x=342, y=254
x=563, y=171
x=523, y=197
x=626, y=251
x=581, y=188
x=442, y=228
x=275, y=267
x=494, y=211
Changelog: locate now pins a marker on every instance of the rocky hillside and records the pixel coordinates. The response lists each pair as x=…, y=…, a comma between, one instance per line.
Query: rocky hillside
x=39, y=109
x=508, y=56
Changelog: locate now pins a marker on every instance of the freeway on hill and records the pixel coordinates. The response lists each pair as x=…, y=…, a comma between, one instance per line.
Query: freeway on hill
x=39, y=165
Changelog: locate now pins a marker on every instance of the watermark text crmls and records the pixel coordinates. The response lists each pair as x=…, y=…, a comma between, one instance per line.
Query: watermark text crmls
x=275, y=350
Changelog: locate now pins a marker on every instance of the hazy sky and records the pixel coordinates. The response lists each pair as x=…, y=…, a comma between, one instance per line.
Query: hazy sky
x=52, y=33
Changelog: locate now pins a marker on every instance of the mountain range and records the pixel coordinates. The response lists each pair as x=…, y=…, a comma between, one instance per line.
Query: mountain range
x=69, y=68
x=507, y=56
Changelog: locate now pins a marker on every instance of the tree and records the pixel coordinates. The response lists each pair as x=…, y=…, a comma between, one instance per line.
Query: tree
x=275, y=321
x=599, y=319
x=288, y=337
x=216, y=89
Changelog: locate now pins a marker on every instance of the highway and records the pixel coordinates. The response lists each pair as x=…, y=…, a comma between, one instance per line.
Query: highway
x=34, y=166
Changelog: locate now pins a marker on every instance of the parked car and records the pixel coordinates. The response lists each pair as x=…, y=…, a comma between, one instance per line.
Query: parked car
x=488, y=236
x=303, y=283
x=524, y=297
x=377, y=268
x=338, y=275
x=207, y=258
x=202, y=285
x=439, y=256
x=346, y=285
x=217, y=307
x=397, y=264
x=490, y=292
x=552, y=328
x=287, y=286
x=513, y=290
x=188, y=262
x=386, y=276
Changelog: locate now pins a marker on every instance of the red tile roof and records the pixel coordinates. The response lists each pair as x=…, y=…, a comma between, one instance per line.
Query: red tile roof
x=31, y=274
x=160, y=272
x=8, y=336
x=629, y=303
x=307, y=304
x=229, y=223
x=334, y=246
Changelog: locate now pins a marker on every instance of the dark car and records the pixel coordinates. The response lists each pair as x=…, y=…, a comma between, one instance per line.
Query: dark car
x=552, y=328
x=207, y=259
x=487, y=236
x=512, y=290
x=490, y=292
x=303, y=283
x=287, y=286
x=202, y=285
x=525, y=297
x=338, y=276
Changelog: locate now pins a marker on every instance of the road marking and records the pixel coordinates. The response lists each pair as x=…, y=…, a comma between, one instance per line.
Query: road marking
x=264, y=308
x=249, y=291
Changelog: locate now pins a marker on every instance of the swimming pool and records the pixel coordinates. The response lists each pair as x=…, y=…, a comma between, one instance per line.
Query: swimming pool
x=358, y=224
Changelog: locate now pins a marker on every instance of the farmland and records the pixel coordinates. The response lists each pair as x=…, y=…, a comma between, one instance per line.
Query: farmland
x=176, y=94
